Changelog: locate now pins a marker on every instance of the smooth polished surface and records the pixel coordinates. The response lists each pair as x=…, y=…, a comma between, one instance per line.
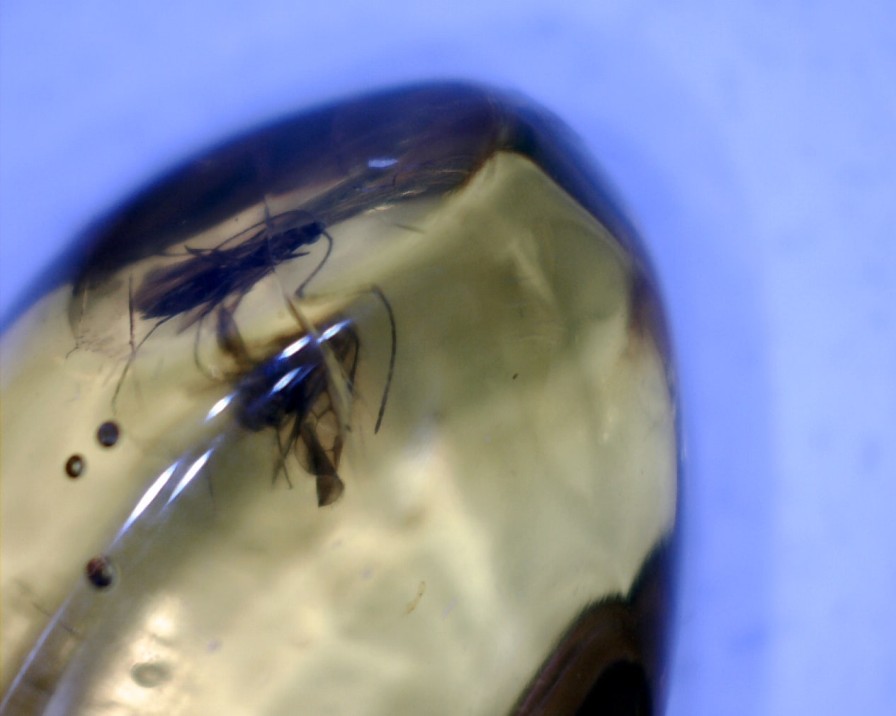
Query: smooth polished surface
x=346, y=413
x=754, y=144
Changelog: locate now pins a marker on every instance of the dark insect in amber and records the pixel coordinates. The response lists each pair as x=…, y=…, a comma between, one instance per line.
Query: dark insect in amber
x=208, y=278
x=289, y=392
x=292, y=392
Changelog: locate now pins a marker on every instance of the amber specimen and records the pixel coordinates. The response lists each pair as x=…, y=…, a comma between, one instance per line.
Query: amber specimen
x=400, y=431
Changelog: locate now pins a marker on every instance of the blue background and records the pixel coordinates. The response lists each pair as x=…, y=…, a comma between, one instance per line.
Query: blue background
x=755, y=145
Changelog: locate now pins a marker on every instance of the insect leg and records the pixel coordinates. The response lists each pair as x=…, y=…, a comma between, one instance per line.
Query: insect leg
x=353, y=368
x=283, y=452
x=228, y=335
x=393, y=348
x=316, y=230
x=329, y=485
x=131, y=340
x=340, y=395
x=376, y=290
x=202, y=369
x=300, y=291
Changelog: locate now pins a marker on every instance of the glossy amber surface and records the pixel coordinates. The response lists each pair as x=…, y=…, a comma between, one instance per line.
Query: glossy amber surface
x=368, y=412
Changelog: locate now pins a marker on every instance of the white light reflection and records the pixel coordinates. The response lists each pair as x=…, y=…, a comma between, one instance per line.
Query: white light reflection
x=219, y=407
x=190, y=474
x=287, y=379
x=294, y=348
x=149, y=496
x=381, y=162
x=333, y=330
x=298, y=345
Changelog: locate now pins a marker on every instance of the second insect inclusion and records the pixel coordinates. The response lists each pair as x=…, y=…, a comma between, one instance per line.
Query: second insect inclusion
x=282, y=357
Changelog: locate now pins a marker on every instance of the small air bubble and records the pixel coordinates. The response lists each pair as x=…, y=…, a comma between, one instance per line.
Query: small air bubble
x=150, y=674
x=107, y=433
x=74, y=466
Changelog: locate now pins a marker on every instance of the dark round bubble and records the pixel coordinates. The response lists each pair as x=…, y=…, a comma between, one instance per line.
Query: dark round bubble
x=100, y=572
x=74, y=466
x=108, y=433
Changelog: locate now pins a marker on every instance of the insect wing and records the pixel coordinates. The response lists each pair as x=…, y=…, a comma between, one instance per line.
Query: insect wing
x=167, y=292
x=209, y=276
x=319, y=436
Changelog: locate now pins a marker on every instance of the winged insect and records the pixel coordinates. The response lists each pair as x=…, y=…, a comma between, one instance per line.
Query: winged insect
x=206, y=279
x=296, y=392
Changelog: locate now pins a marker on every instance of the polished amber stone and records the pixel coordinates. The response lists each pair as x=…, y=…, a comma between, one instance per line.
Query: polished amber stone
x=379, y=417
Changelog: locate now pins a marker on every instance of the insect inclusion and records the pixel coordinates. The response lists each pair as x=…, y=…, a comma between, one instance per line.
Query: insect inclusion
x=298, y=384
x=293, y=394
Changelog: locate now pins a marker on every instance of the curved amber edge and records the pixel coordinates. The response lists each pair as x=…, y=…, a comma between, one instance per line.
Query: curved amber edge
x=436, y=136
x=615, y=651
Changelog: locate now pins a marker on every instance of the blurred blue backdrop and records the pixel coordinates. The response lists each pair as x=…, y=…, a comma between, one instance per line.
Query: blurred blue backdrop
x=755, y=145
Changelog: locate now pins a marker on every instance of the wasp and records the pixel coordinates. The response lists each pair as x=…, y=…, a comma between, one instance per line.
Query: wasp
x=300, y=388
x=207, y=278
x=295, y=392
x=220, y=277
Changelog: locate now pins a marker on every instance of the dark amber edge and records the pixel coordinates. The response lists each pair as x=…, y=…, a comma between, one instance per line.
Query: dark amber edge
x=451, y=124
